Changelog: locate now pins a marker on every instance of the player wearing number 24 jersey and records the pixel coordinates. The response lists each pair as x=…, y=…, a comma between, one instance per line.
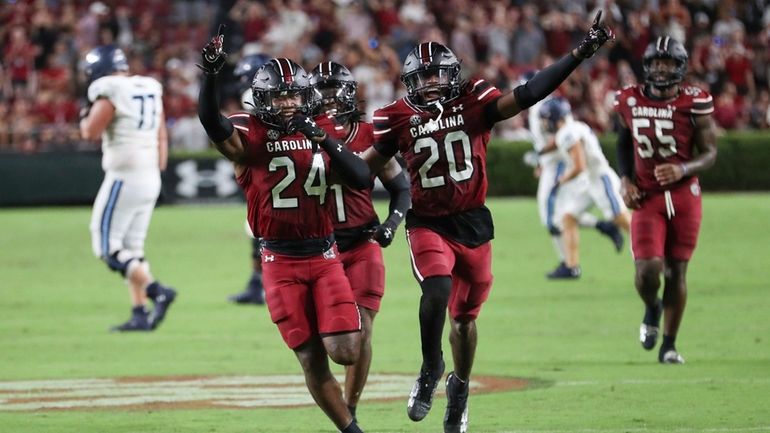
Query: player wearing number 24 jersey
x=667, y=137
x=285, y=161
x=442, y=128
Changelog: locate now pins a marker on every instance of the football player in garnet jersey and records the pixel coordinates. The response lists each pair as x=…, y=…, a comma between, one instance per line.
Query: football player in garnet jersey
x=442, y=128
x=284, y=161
x=357, y=229
x=127, y=114
x=244, y=73
x=667, y=137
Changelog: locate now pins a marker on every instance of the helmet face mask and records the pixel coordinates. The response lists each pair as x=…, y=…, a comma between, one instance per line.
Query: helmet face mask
x=431, y=84
x=671, y=66
x=334, y=91
x=280, y=90
x=431, y=74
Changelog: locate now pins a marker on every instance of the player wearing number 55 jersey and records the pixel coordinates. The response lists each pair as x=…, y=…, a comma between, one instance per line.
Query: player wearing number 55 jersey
x=357, y=228
x=126, y=111
x=667, y=137
x=442, y=128
x=284, y=160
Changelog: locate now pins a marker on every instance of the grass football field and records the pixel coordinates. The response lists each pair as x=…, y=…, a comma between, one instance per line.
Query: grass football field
x=572, y=346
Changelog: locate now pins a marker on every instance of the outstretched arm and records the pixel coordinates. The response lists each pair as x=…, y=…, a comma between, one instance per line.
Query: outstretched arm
x=219, y=128
x=548, y=79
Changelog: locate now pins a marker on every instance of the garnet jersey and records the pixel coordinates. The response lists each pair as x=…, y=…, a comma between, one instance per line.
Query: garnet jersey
x=446, y=160
x=662, y=130
x=353, y=208
x=284, y=181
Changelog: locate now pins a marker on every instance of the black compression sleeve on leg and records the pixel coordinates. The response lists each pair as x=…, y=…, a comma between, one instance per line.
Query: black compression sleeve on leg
x=353, y=170
x=545, y=81
x=218, y=127
x=400, y=199
x=433, y=305
x=625, y=149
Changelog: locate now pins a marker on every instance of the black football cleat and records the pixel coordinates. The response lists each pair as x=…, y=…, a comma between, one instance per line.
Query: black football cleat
x=253, y=294
x=421, y=396
x=456, y=416
x=564, y=272
x=162, y=304
x=137, y=323
x=649, y=330
x=612, y=231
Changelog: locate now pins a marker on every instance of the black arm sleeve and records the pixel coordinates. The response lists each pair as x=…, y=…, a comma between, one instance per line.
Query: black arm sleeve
x=545, y=81
x=400, y=199
x=218, y=127
x=353, y=170
x=625, y=149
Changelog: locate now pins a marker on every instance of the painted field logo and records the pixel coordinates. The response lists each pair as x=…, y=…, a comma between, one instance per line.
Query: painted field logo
x=189, y=392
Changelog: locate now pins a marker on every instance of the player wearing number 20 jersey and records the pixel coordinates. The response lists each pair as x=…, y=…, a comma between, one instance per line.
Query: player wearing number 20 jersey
x=442, y=128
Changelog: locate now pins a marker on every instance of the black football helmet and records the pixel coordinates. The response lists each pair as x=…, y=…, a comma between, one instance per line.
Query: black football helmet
x=247, y=67
x=431, y=67
x=665, y=47
x=280, y=77
x=104, y=60
x=334, y=90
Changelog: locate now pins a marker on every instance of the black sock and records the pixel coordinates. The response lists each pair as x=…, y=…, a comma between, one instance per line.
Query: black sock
x=668, y=343
x=352, y=428
x=138, y=310
x=352, y=410
x=433, y=305
x=652, y=313
x=152, y=290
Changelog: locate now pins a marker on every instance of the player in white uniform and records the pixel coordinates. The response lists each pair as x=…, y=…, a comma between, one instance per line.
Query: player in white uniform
x=587, y=180
x=127, y=113
x=550, y=165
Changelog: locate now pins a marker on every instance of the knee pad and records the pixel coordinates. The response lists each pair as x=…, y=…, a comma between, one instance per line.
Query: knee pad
x=122, y=261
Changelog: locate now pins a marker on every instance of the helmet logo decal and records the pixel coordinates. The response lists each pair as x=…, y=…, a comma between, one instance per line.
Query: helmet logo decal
x=285, y=69
x=426, y=52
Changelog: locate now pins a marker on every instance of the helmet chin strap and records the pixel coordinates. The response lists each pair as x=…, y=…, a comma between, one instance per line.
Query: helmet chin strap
x=433, y=123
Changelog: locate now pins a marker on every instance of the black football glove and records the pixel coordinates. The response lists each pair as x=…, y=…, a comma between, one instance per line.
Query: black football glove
x=383, y=234
x=307, y=127
x=596, y=37
x=213, y=55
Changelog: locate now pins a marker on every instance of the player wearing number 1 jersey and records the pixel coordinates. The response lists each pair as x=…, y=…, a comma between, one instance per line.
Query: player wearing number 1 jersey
x=284, y=161
x=357, y=228
x=667, y=137
x=442, y=128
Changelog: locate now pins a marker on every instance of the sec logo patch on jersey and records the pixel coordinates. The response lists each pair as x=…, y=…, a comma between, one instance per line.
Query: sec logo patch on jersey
x=631, y=101
x=415, y=120
x=695, y=189
x=273, y=134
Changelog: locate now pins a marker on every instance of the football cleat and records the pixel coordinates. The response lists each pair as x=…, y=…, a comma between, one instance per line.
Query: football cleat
x=648, y=335
x=671, y=356
x=456, y=416
x=564, y=272
x=162, y=303
x=612, y=231
x=650, y=327
x=421, y=396
x=137, y=322
x=253, y=294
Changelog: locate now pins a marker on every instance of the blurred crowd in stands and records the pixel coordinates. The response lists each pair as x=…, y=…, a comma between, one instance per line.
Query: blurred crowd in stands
x=42, y=87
